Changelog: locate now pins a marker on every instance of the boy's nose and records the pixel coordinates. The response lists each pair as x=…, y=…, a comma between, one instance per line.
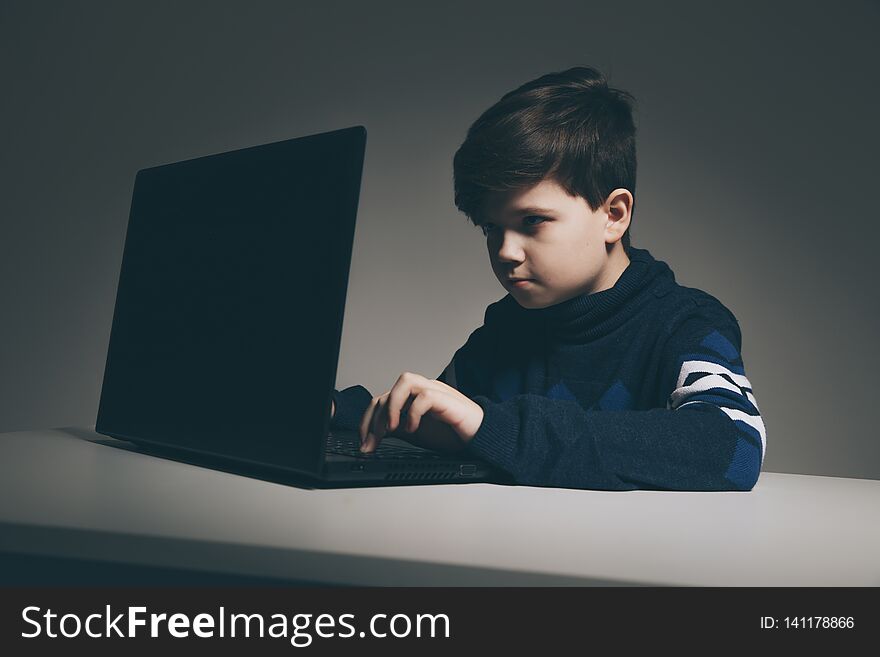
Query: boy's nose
x=509, y=252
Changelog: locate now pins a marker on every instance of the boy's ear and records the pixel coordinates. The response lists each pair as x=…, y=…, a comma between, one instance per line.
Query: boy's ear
x=618, y=208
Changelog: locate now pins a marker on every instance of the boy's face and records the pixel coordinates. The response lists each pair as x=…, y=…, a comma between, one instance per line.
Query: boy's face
x=556, y=241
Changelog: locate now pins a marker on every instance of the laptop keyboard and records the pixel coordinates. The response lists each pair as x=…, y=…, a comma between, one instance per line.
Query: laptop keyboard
x=350, y=446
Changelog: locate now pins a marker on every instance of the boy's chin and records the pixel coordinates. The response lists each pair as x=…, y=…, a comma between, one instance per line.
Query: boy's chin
x=530, y=302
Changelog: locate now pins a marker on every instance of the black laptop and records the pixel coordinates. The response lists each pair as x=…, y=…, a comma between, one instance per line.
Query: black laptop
x=228, y=318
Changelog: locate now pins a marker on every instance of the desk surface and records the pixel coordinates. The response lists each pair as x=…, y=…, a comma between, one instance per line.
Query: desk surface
x=63, y=495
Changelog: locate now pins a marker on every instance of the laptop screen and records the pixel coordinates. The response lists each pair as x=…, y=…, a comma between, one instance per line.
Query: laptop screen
x=229, y=309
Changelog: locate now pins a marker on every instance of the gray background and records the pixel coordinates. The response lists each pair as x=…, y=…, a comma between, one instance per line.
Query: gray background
x=757, y=138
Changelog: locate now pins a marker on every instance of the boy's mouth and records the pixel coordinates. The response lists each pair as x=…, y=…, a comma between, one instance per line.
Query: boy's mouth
x=520, y=282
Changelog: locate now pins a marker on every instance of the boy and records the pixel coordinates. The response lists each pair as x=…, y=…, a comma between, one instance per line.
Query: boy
x=597, y=370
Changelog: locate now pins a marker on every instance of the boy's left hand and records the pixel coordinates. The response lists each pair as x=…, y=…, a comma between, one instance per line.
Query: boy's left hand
x=436, y=416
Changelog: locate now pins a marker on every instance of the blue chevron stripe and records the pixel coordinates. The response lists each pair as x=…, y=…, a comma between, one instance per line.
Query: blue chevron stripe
x=560, y=391
x=750, y=431
x=616, y=398
x=720, y=345
x=744, y=465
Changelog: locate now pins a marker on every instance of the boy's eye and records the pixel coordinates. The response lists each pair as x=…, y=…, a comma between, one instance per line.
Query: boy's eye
x=487, y=227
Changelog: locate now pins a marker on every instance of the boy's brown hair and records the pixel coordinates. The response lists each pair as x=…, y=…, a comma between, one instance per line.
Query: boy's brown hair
x=570, y=127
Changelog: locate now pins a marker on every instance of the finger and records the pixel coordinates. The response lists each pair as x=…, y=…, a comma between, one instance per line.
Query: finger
x=376, y=429
x=421, y=404
x=371, y=443
x=367, y=419
x=407, y=385
x=377, y=426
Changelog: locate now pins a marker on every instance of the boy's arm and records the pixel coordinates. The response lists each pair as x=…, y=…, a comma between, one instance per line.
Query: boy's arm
x=710, y=436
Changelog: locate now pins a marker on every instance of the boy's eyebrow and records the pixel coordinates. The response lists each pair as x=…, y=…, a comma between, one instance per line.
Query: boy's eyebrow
x=533, y=210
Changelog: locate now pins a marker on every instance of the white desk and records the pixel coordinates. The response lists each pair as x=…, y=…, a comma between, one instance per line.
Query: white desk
x=62, y=495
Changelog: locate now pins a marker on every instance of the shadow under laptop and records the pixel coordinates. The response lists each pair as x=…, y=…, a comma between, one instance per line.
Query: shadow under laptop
x=263, y=473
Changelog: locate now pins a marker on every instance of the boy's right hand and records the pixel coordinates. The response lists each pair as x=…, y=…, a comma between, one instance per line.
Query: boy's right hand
x=332, y=409
x=425, y=412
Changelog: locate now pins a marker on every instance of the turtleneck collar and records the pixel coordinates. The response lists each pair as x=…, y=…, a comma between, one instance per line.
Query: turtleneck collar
x=588, y=316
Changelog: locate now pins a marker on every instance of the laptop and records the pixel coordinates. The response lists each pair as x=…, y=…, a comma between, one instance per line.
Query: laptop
x=228, y=317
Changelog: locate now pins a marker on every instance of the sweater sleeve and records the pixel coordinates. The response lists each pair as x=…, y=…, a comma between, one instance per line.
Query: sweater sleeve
x=351, y=404
x=710, y=436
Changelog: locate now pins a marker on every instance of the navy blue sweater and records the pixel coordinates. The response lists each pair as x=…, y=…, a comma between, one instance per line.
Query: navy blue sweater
x=641, y=386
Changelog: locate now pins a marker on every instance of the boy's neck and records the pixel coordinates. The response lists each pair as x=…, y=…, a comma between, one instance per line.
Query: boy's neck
x=618, y=261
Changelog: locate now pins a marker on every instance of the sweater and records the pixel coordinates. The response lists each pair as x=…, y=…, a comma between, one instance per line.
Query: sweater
x=640, y=386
